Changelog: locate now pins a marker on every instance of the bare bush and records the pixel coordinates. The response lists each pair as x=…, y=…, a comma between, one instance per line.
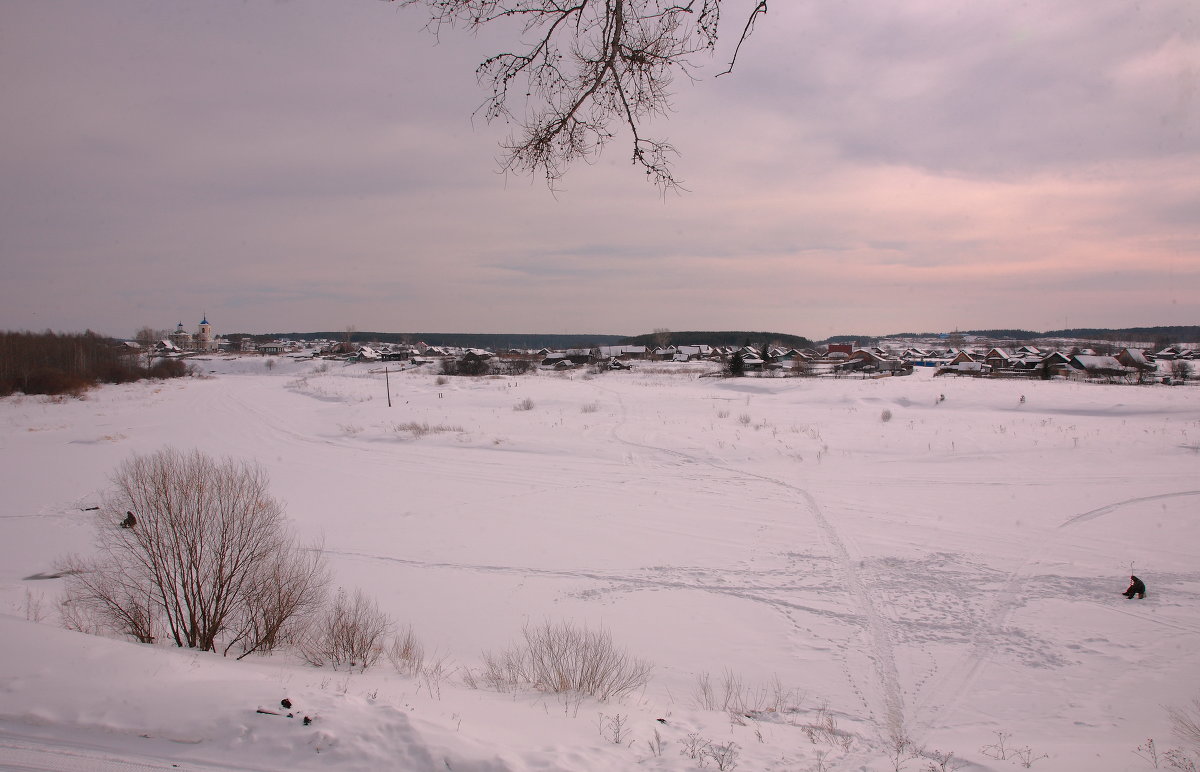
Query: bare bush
x=695, y=747
x=563, y=658
x=823, y=729
x=196, y=548
x=420, y=429
x=1185, y=724
x=943, y=761
x=885, y=416
x=169, y=368
x=512, y=366
x=406, y=653
x=350, y=633
x=525, y=404
x=736, y=696
x=724, y=756
x=284, y=602
x=33, y=606
x=1002, y=751
x=1177, y=758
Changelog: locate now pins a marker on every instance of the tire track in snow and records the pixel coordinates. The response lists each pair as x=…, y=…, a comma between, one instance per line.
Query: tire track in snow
x=882, y=653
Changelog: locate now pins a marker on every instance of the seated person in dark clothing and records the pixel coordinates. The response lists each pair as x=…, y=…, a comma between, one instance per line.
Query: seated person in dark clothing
x=1136, y=587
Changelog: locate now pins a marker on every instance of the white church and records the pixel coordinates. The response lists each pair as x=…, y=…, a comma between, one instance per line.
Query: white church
x=202, y=340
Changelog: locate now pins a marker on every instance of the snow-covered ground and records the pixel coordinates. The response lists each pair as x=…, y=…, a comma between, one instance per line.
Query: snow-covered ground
x=950, y=575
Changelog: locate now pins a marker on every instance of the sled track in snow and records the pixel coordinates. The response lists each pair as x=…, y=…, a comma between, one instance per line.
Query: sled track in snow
x=1109, y=508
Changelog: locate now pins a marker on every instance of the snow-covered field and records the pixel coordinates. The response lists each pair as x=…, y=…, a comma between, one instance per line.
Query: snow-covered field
x=950, y=575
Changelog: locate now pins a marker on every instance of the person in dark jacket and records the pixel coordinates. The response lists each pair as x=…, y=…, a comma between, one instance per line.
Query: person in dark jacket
x=1136, y=587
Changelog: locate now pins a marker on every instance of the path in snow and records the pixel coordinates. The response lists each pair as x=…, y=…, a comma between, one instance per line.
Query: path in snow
x=881, y=652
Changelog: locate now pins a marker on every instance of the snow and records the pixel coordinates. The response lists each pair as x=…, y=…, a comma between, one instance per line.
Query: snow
x=945, y=575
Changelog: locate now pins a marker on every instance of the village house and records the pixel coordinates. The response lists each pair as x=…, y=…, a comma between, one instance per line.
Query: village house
x=1099, y=366
x=1136, y=359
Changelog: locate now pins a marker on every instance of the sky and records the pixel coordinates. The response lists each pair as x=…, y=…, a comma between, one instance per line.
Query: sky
x=298, y=165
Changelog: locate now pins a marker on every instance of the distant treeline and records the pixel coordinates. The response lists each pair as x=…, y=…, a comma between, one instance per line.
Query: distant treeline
x=1164, y=335
x=489, y=341
x=57, y=363
x=535, y=341
x=722, y=338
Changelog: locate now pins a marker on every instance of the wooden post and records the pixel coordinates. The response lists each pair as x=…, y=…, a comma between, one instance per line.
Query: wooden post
x=387, y=384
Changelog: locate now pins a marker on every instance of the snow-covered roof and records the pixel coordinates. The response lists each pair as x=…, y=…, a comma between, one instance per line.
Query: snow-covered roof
x=1092, y=362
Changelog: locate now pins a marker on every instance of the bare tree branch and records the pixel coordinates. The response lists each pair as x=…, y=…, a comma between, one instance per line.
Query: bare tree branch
x=588, y=67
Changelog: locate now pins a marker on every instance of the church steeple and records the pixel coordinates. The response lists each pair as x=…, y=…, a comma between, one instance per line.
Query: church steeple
x=204, y=336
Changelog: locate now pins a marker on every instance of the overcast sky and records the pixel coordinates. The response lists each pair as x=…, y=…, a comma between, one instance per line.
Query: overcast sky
x=868, y=168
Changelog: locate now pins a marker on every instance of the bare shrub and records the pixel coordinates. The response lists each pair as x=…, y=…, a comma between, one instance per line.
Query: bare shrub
x=1185, y=725
x=169, y=368
x=724, y=756
x=736, y=696
x=901, y=750
x=563, y=658
x=200, y=561
x=284, y=602
x=695, y=747
x=512, y=366
x=1176, y=758
x=433, y=674
x=525, y=404
x=441, y=380
x=1002, y=751
x=590, y=407
x=657, y=745
x=886, y=415
x=944, y=761
x=104, y=597
x=407, y=654
x=744, y=419
x=614, y=728
x=420, y=429
x=823, y=729
x=33, y=606
x=350, y=633
x=77, y=618
x=503, y=671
